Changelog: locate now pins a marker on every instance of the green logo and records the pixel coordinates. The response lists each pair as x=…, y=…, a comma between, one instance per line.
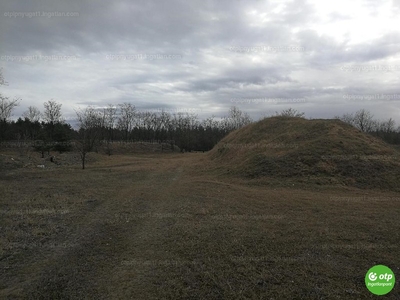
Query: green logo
x=379, y=280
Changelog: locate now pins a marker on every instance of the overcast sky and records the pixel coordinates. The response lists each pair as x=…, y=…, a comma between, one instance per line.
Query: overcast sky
x=325, y=58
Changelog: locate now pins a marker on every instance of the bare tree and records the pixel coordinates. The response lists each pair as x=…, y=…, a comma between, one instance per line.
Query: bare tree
x=364, y=121
x=387, y=126
x=236, y=119
x=6, y=108
x=52, y=112
x=33, y=114
x=290, y=112
x=209, y=122
x=162, y=123
x=52, y=116
x=109, y=119
x=127, y=118
x=2, y=81
x=6, y=105
x=386, y=130
x=347, y=118
x=149, y=122
x=90, y=125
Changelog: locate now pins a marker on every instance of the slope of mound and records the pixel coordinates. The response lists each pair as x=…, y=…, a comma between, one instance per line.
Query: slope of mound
x=316, y=151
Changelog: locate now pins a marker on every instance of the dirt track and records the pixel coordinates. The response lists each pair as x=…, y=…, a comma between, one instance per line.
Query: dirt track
x=121, y=236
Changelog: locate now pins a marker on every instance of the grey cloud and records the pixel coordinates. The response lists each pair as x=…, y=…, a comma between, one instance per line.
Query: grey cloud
x=325, y=51
x=208, y=74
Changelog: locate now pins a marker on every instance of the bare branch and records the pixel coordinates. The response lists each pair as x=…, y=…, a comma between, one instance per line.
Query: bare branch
x=2, y=80
x=33, y=114
x=52, y=112
x=6, y=107
x=90, y=122
x=290, y=112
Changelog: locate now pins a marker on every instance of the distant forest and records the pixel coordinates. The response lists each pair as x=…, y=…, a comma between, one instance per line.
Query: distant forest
x=47, y=130
x=114, y=123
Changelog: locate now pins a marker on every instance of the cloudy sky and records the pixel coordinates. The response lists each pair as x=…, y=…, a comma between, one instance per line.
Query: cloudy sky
x=324, y=57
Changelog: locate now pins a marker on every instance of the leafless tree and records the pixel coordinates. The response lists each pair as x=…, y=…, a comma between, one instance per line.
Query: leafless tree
x=235, y=119
x=109, y=119
x=110, y=116
x=90, y=125
x=52, y=115
x=386, y=130
x=149, y=120
x=2, y=81
x=126, y=120
x=239, y=117
x=162, y=124
x=209, y=122
x=347, y=118
x=364, y=121
x=52, y=112
x=33, y=114
x=387, y=126
x=139, y=119
x=6, y=107
x=290, y=112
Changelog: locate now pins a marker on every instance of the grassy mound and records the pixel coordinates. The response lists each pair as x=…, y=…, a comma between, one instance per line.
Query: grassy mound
x=309, y=151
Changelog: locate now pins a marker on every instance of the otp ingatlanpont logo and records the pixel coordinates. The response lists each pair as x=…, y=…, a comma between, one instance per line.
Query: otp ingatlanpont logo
x=380, y=280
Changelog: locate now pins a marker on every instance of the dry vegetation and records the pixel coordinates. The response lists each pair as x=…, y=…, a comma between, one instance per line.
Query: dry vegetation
x=304, y=152
x=177, y=226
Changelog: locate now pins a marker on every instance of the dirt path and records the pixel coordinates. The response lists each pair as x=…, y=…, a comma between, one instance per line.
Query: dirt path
x=121, y=239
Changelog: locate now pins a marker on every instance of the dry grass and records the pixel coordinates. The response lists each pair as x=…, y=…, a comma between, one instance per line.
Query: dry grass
x=304, y=152
x=168, y=227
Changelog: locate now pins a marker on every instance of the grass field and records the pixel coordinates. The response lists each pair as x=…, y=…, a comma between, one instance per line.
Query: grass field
x=169, y=226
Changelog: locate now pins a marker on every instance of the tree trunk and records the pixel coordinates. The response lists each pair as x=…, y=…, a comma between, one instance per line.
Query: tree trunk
x=83, y=160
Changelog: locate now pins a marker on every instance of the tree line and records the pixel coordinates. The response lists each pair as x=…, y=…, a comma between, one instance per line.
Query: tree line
x=122, y=122
x=48, y=130
x=365, y=121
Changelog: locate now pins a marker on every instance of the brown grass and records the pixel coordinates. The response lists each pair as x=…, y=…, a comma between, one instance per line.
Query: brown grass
x=303, y=152
x=169, y=227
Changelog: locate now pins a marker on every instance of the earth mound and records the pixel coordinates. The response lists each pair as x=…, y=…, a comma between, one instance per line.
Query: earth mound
x=309, y=151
